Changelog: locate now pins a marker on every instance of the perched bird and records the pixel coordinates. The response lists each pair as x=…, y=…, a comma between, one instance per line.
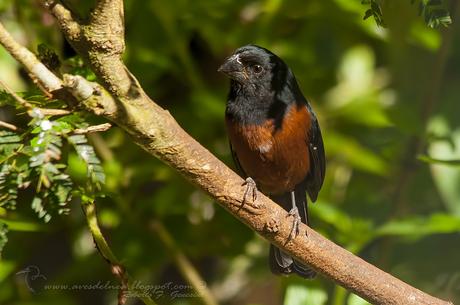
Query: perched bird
x=275, y=139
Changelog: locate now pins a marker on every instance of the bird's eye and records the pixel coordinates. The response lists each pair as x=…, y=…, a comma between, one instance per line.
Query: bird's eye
x=257, y=69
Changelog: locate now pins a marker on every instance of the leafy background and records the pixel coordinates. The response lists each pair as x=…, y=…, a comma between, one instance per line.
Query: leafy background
x=386, y=93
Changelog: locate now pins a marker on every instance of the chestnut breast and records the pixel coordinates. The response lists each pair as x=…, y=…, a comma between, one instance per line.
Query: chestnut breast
x=276, y=158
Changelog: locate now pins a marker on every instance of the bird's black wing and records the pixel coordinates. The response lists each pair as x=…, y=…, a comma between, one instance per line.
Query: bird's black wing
x=315, y=177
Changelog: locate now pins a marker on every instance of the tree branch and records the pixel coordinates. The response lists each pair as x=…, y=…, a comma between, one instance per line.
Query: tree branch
x=65, y=18
x=47, y=79
x=156, y=131
x=90, y=95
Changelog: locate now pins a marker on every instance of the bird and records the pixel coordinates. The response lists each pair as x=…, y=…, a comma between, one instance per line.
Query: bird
x=275, y=140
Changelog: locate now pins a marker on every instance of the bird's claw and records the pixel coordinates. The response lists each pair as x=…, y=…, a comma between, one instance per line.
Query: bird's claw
x=294, y=212
x=251, y=192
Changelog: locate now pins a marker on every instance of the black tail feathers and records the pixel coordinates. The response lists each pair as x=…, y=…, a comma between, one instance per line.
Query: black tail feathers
x=282, y=264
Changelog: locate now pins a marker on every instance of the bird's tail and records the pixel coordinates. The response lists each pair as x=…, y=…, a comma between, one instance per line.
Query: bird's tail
x=280, y=262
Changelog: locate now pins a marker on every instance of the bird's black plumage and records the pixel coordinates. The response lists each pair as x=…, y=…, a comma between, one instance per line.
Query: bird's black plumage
x=274, y=136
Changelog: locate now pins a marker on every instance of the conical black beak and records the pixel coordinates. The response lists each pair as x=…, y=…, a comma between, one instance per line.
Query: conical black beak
x=233, y=68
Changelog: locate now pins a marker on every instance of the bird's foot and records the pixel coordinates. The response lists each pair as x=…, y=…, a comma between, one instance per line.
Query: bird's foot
x=294, y=212
x=250, y=192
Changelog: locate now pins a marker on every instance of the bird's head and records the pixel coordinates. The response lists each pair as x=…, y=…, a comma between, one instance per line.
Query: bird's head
x=252, y=66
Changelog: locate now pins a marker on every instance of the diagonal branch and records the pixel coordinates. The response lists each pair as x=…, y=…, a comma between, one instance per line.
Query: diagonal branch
x=156, y=131
x=47, y=79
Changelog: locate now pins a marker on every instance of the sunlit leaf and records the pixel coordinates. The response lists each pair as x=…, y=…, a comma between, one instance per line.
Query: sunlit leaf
x=428, y=159
x=355, y=154
x=417, y=227
x=304, y=295
x=445, y=148
x=86, y=152
x=353, y=299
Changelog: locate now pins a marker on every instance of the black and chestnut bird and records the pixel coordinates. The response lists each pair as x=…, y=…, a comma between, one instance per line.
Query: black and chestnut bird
x=275, y=138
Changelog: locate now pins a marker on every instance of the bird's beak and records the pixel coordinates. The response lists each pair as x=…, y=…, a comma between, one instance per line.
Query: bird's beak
x=233, y=68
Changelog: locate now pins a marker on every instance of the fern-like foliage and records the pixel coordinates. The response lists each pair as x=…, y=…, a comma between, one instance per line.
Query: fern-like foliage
x=8, y=186
x=87, y=154
x=375, y=11
x=10, y=174
x=47, y=165
x=37, y=158
x=3, y=236
x=433, y=12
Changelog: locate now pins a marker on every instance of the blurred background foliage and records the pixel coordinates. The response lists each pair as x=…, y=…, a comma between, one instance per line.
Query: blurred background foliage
x=387, y=98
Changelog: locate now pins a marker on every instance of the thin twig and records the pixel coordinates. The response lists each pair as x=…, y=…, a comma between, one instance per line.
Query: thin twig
x=30, y=107
x=9, y=126
x=19, y=99
x=185, y=267
x=81, y=89
x=49, y=81
x=95, y=128
x=50, y=112
x=116, y=267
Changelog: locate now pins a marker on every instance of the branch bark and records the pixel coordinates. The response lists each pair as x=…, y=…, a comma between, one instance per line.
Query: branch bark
x=156, y=131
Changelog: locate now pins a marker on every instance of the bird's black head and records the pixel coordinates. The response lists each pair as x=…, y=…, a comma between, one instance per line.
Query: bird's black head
x=262, y=85
x=254, y=67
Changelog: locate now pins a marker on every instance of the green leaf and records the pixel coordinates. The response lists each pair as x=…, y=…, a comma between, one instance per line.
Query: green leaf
x=3, y=236
x=78, y=66
x=430, y=160
x=417, y=227
x=86, y=152
x=445, y=147
x=9, y=143
x=7, y=137
x=434, y=13
x=7, y=99
x=352, y=231
x=354, y=153
x=304, y=295
x=9, y=185
x=24, y=226
x=374, y=10
x=353, y=299
x=38, y=207
x=368, y=14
